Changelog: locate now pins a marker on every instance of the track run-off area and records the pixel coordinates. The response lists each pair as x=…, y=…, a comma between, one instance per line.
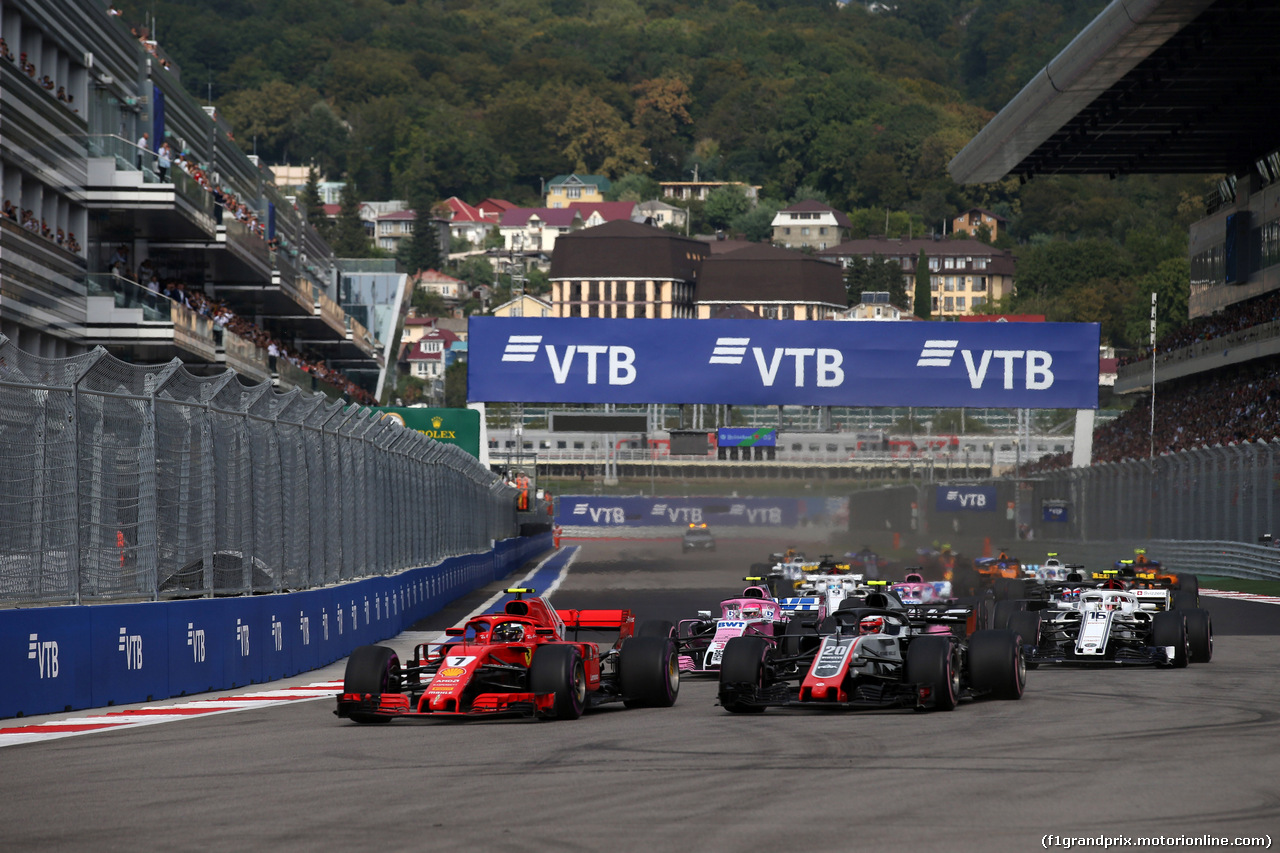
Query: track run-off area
x=1129, y=753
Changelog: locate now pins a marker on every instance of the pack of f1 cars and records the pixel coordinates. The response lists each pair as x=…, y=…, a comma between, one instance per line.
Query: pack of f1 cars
x=526, y=660
x=1098, y=624
x=871, y=657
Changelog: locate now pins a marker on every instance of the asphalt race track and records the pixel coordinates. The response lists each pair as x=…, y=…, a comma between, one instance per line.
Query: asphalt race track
x=1117, y=752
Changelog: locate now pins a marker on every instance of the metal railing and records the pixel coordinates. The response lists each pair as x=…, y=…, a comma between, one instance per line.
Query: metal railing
x=128, y=482
x=156, y=307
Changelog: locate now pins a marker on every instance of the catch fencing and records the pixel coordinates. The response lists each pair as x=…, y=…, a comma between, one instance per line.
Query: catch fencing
x=1212, y=509
x=143, y=482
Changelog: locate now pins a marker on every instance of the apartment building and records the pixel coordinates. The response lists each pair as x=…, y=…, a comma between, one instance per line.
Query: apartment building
x=101, y=229
x=964, y=275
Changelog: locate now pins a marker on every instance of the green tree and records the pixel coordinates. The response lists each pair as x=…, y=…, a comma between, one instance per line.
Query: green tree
x=724, y=204
x=1170, y=281
x=421, y=250
x=350, y=240
x=661, y=115
x=756, y=224
x=313, y=205
x=455, y=385
x=875, y=275
x=428, y=303
x=923, y=303
x=634, y=187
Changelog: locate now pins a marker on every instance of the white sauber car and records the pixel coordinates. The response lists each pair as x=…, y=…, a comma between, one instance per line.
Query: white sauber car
x=811, y=593
x=1111, y=626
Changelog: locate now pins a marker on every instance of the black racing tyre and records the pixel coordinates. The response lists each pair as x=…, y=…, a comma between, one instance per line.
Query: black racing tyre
x=984, y=614
x=996, y=663
x=743, y=662
x=649, y=672
x=558, y=669
x=1199, y=636
x=799, y=638
x=1170, y=629
x=931, y=661
x=1000, y=586
x=656, y=628
x=1026, y=624
x=1185, y=599
x=1005, y=611
x=1189, y=583
x=371, y=669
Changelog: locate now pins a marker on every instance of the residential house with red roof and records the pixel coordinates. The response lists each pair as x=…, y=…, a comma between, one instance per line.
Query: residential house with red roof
x=599, y=212
x=467, y=222
x=426, y=357
x=537, y=228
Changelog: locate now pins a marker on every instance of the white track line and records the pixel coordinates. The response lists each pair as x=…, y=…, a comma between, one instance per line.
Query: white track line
x=1241, y=596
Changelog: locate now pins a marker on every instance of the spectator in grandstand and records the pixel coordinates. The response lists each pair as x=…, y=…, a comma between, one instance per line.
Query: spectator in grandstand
x=164, y=157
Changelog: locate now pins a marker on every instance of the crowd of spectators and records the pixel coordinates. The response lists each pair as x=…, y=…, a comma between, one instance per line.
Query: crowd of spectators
x=1233, y=318
x=1198, y=413
x=224, y=317
x=38, y=225
x=44, y=82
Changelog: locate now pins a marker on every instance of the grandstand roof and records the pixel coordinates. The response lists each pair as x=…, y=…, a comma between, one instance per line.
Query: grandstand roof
x=1150, y=86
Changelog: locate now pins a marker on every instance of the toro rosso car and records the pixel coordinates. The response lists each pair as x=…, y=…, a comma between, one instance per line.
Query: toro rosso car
x=870, y=657
x=526, y=660
x=702, y=640
x=1087, y=626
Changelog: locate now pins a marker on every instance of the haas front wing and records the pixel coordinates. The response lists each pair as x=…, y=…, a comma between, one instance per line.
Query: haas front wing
x=845, y=673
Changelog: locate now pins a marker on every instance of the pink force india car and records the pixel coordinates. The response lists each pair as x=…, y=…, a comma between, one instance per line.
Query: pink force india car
x=914, y=589
x=701, y=641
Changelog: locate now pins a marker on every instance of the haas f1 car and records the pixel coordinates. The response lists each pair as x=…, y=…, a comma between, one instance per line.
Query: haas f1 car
x=526, y=660
x=871, y=657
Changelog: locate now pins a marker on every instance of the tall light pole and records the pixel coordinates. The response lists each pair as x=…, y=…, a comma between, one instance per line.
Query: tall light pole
x=1151, y=447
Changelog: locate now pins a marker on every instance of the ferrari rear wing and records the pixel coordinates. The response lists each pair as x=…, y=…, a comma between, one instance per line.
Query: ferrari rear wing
x=599, y=620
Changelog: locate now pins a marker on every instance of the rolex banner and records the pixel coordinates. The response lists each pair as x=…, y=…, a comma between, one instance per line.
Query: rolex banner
x=451, y=426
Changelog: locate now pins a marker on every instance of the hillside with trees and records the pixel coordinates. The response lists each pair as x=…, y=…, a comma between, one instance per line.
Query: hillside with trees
x=860, y=108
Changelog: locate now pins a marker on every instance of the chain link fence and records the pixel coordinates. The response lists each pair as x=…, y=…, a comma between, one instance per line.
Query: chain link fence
x=1213, y=510
x=127, y=482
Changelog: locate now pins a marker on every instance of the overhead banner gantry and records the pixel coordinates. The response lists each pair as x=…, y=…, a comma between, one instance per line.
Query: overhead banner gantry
x=761, y=362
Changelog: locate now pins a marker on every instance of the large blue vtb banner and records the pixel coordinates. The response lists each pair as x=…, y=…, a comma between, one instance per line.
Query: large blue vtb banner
x=757, y=362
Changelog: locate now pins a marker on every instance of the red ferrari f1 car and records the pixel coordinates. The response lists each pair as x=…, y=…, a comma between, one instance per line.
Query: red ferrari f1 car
x=526, y=660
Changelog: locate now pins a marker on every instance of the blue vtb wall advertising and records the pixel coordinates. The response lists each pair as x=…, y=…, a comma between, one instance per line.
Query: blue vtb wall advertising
x=64, y=658
x=605, y=511
x=966, y=499
x=746, y=362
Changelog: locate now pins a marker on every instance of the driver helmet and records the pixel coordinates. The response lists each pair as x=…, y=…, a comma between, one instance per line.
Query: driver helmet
x=1072, y=594
x=508, y=632
x=751, y=613
x=871, y=625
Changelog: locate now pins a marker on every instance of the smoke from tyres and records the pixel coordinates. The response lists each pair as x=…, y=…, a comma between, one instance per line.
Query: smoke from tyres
x=752, y=362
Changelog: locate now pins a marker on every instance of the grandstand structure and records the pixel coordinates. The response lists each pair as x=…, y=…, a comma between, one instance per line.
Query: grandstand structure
x=93, y=211
x=1172, y=87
